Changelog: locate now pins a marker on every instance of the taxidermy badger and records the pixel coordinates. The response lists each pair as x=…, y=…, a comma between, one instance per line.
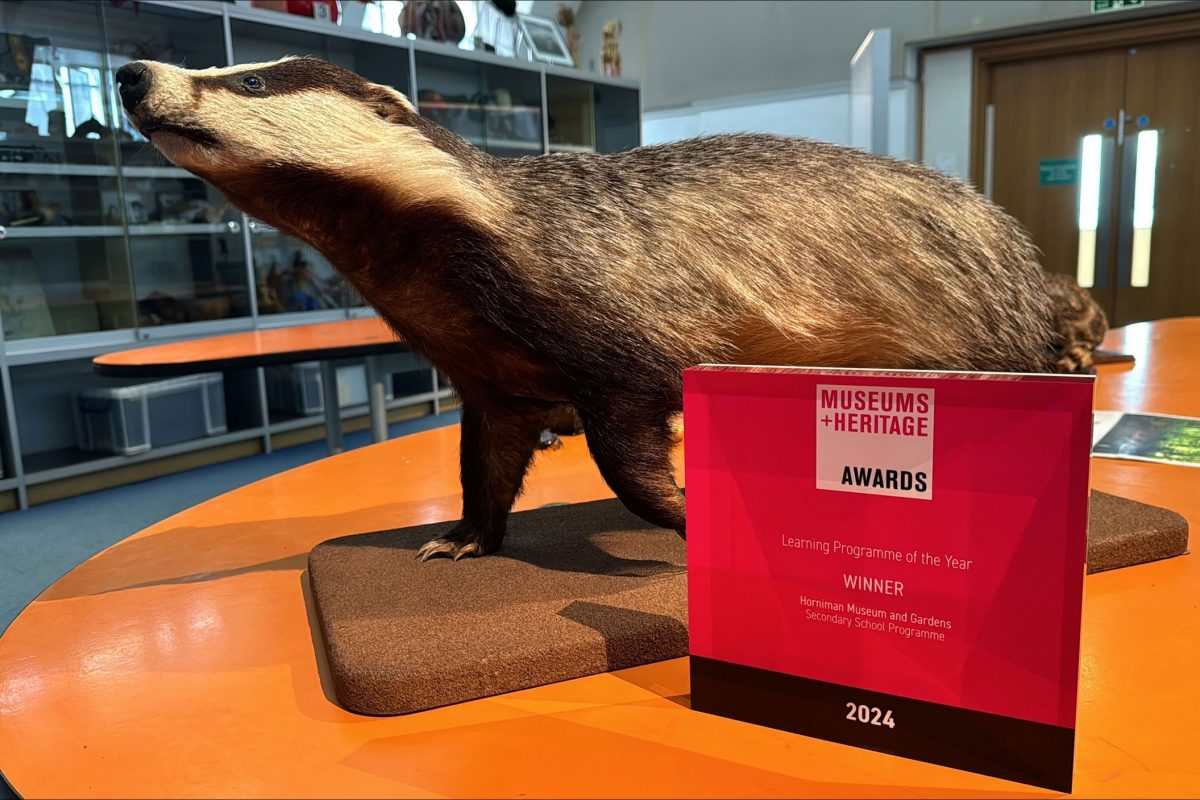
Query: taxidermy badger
x=592, y=281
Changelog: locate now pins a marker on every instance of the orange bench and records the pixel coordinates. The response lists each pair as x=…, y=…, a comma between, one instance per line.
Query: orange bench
x=323, y=342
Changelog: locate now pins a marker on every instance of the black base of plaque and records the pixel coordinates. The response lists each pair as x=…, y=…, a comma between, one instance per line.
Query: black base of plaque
x=1018, y=750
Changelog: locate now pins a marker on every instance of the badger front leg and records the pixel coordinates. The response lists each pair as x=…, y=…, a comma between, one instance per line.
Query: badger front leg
x=498, y=438
x=631, y=441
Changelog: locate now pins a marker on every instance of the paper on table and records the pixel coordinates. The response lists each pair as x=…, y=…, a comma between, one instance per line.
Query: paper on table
x=1160, y=438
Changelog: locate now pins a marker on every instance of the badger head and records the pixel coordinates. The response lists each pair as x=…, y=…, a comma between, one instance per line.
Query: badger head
x=268, y=134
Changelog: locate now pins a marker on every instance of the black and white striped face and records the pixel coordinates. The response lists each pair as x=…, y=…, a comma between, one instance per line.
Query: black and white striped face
x=300, y=110
x=269, y=135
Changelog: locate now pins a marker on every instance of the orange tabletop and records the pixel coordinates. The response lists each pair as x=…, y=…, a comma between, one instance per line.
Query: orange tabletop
x=181, y=661
x=342, y=339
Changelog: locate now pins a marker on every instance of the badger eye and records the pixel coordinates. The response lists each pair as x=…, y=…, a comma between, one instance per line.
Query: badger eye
x=252, y=82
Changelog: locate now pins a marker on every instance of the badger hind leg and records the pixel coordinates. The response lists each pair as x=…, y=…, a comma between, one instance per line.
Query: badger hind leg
x=498, y=438
x=631, y=442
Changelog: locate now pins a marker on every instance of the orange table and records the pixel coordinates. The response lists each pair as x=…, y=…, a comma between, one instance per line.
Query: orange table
x=323, y=342
x=181, y=661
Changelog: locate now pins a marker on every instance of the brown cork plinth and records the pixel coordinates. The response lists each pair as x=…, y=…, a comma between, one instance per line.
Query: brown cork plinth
x=1123, y=532
x=576, y=590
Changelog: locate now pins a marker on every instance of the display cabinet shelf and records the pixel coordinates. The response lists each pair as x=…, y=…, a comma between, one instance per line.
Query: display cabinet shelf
x=62, y=231
x=120, y=247
x=8, y=484
x=158, y=172
x=505, y=144
x=176, y=229
x=146, y=229
x=55, y=465
x=92, y=170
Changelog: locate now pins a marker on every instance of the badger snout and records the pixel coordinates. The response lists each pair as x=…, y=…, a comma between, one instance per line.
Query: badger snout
x=133, y=82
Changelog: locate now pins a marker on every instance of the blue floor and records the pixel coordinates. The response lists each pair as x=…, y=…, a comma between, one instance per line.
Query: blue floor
x=41, y=544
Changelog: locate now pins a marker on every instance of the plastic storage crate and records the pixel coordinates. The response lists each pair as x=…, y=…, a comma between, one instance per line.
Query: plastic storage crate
x=134, y=419
x=296, y=388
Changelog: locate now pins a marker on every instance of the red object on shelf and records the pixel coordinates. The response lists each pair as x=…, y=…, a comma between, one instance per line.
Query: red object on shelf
x=303, y=8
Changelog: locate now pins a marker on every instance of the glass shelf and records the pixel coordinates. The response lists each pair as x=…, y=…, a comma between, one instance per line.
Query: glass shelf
x=101, y=232
x=589, y=117
x=290, y=275
x=571, y=121
x=183, y=278
x=53, y=286
x=495, y=108
x=618, y=118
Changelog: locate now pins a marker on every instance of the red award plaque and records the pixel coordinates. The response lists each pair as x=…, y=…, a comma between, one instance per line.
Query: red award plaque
x=892, y=559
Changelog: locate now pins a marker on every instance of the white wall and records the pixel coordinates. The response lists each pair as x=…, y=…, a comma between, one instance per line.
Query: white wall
x=816, y=114
x=685, y=52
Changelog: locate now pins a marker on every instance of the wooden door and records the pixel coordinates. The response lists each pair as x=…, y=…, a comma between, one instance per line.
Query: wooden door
x=1041, y=111
x=1123, y=91
x=1160, y=276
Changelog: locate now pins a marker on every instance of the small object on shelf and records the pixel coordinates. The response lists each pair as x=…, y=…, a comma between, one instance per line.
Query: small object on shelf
x=324, y=10
x=610, y=53
x=436, y=20
x=23, y=207
x=566, y=18
x=134, y=419
x=354, y=12
x=496, y=27
x=176, y=208
x=307, y=292
x=16, y=60
x=23, y=306
x=544, y=40
x=135, y=210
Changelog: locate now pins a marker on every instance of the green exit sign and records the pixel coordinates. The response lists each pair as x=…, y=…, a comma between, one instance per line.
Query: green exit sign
x=1114, y=5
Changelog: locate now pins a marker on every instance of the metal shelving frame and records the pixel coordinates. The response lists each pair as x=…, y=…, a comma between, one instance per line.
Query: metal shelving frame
x=86, y=345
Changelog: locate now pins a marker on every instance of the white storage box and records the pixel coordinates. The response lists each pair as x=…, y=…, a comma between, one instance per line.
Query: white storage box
x=296, y=388
x=134, y=419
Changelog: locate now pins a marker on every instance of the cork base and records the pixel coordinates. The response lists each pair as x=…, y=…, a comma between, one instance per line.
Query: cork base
x=577, y=590
x=1123, y=532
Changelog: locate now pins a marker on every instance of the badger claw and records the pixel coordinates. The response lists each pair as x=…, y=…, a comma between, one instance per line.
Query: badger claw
x=454, y=548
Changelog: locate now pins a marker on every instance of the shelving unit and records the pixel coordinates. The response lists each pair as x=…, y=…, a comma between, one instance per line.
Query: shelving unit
x=131, y=249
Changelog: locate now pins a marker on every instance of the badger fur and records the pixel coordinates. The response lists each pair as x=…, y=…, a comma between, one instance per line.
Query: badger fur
x=591, y=281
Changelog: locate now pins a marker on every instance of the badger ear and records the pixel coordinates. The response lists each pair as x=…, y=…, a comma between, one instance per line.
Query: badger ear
x=389, y=104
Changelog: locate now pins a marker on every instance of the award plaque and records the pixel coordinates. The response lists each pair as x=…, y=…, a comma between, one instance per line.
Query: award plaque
x=892, y=559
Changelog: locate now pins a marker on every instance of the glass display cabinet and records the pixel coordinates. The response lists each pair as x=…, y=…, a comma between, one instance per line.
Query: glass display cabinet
x=496, y=108
x=105, y=244
x=587, y=117
x=101, y=233
x=291, y=277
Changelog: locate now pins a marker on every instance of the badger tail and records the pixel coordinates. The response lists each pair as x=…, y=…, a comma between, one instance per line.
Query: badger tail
x=1079, y=324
